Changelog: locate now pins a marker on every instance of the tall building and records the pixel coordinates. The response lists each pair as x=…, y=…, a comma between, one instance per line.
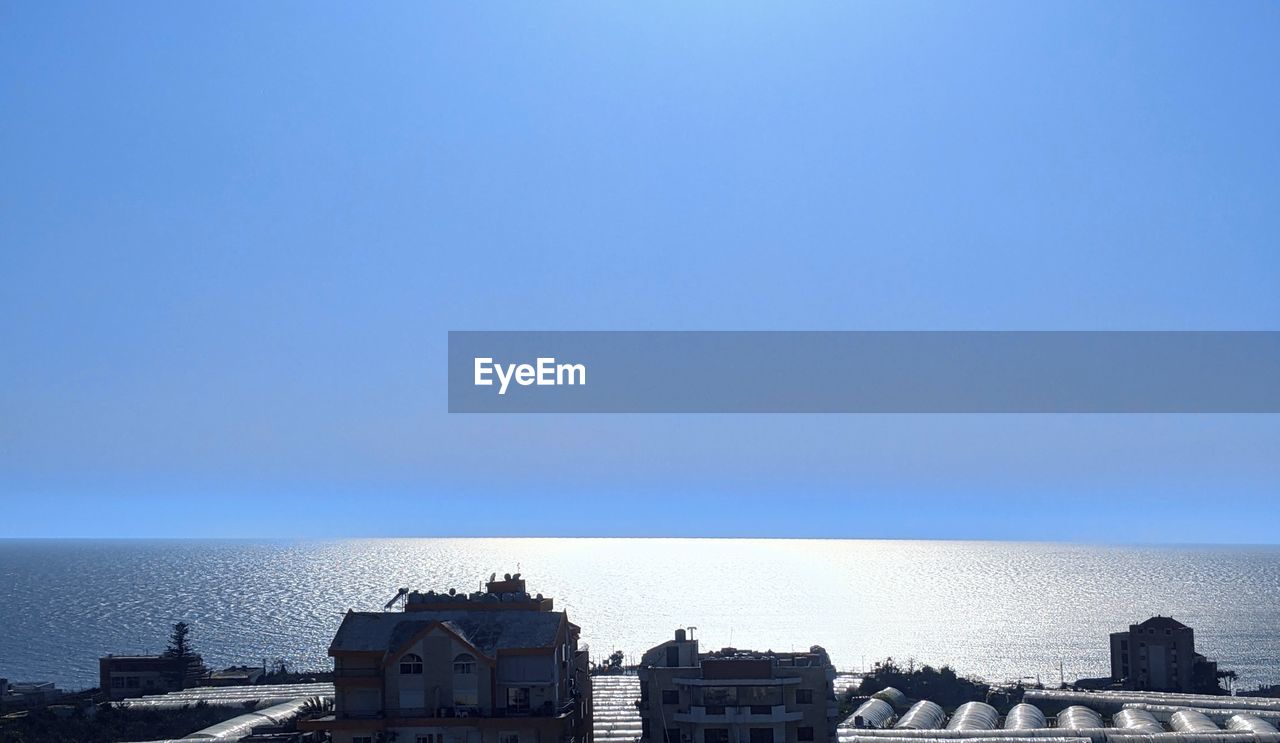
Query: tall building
x=735, y=696
x=494, y=666
x=1160, y=655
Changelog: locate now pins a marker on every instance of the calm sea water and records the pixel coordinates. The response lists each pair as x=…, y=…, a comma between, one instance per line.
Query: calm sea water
x=996, y=610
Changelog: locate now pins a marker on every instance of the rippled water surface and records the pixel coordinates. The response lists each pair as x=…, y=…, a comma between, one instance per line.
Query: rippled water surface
x=997, y=610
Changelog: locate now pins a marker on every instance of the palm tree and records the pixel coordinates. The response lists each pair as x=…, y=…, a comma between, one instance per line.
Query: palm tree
x=316, y=707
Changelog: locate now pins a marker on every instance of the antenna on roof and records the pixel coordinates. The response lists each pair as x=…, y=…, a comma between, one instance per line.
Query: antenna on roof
x=399, y=595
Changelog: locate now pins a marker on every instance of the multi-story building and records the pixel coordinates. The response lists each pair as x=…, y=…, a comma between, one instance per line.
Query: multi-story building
x=1160, y=655
x=123, y=676
x=494, y=666
x=735, y=696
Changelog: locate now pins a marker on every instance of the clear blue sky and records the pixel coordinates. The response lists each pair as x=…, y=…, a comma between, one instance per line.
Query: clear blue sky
x=233, y=237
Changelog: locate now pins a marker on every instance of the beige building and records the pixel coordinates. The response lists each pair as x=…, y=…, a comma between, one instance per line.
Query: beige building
x=498, y=666
x=735, y=696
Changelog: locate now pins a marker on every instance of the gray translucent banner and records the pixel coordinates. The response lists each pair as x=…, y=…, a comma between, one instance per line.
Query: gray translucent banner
x=863, y=372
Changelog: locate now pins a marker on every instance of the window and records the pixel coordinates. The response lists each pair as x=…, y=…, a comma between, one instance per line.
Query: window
x=430, y=738
x=804, y=696
x=671, y=735
x=412, y=697
x=464, y=681
x=761, y=735
x=131, y=682
x=362, y=739
x=760, y=696
x=508, y=737
x=670, y=696
x=411, y=664
x=117, y=682
x=804, y=734
x=517, y=699
x=719, y=696
x=715, y=735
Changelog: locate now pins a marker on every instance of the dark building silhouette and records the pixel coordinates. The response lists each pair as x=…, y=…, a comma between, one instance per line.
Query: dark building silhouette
x=735, y=696
x=1160, y=655
x=495, y=666
x=123, y=676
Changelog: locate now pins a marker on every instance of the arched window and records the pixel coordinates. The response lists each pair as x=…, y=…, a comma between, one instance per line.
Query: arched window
x=464, y=664
x=411, y=664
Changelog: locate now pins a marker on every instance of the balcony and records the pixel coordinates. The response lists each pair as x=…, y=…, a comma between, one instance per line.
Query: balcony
x=546, y=710
x=742, y=714
x=774, y=681
x=443, y=713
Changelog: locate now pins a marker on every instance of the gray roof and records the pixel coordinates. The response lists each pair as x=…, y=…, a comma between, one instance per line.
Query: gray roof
x=1162, y=622
x=488, y=631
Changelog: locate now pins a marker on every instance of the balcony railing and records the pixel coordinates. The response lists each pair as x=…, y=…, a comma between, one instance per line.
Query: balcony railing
x=439, y=712
x=545, y=710
x=351, y=715
x=745, y=713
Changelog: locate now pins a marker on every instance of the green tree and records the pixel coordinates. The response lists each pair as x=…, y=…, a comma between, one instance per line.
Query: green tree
x=941, y=685
x=179, y=646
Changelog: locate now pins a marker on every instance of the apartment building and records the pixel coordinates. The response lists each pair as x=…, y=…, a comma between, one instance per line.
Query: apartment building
x=1160, y=655
x=493, y=666
x=735, y=696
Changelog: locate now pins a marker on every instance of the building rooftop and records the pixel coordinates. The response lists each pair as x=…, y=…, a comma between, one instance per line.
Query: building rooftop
x=1161, y=622
x=486, y=631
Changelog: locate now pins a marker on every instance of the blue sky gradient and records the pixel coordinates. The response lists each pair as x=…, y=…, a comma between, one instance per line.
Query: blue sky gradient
x=233, y=237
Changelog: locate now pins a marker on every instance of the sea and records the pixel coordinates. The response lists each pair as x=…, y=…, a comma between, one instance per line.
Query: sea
x=995, y=610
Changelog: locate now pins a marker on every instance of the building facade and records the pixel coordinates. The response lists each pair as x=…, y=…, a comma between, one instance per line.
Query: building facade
x=735, y=696
x=1160, y=655
x=494, y=666
x=27, y=694
x=123, y=676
